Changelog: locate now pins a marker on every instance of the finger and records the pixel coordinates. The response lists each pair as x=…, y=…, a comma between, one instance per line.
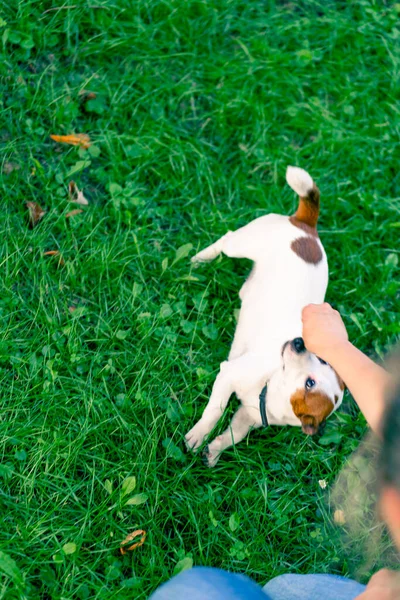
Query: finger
x=308, y=310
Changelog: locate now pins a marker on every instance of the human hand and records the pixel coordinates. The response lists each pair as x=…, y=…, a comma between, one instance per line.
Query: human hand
x=323, y=330
x=384, y=585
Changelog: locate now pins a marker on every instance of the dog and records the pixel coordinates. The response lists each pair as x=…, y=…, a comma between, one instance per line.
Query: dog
x=290, y=271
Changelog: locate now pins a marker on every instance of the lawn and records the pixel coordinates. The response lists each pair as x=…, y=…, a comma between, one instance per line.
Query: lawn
x=109, y=349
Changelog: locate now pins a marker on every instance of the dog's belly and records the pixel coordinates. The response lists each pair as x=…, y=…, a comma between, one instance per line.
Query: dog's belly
x=272, y=301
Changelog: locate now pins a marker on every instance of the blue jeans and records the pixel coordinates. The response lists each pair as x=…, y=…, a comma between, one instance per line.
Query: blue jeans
x=204, y=583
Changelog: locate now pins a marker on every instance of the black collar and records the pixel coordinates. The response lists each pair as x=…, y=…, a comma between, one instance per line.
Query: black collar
x=263, y=410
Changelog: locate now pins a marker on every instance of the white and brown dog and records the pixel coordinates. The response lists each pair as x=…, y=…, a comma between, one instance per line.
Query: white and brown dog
x=290, y=271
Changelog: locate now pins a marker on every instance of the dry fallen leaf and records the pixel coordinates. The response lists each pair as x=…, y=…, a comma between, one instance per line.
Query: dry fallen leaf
x=9, y=167
x=130, y=537
x=86, y=95
x=77, y=139
x=36, y=212
x=55, y=253
x=72, y=213
x=75, y=194
x=339, y=517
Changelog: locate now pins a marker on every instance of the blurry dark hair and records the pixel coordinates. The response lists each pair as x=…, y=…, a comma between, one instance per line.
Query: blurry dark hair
x=389, y=456
x=352, y=517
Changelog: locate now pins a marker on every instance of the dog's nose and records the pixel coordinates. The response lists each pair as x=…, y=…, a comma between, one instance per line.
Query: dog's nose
x=298, y=345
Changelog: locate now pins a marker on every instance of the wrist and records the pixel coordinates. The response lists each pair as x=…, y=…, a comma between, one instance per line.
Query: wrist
x=336, y=351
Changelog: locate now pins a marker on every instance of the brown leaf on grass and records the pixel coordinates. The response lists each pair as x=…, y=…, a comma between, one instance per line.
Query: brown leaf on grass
x=86, y=95
x=339, y=517
x=75, y=194
x=9, y=167
x=76, y=139
x=123, y=549
x=55, y=253
x=36, y=212
x=72, y=213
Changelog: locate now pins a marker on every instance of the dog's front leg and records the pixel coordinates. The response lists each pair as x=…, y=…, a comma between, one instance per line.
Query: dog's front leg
x=222, y=389
x=241, y=424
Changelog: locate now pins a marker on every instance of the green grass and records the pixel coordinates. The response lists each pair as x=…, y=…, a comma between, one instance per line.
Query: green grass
x=200, y=106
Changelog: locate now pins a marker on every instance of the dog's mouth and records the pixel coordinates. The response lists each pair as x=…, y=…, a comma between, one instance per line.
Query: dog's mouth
x=285, y=345
x=311, y=429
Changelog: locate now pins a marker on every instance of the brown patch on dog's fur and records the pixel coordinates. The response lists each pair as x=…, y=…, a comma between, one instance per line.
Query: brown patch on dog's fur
x=308, y=249
x=308, y=209
x=304, y=227
x=312, y=408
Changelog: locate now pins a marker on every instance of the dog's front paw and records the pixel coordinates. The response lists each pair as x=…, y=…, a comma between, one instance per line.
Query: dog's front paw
x=210, y=456
x=195, y=437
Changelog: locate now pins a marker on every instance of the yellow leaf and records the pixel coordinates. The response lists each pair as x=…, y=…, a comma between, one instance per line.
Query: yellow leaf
x=72, y=213
x=55, y=253
x=130, y=537
x=77, y=139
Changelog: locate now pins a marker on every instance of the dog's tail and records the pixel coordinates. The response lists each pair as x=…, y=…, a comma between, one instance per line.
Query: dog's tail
x=301, y=182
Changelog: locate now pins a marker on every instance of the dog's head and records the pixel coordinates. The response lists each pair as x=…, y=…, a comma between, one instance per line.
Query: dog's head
x=314, y=388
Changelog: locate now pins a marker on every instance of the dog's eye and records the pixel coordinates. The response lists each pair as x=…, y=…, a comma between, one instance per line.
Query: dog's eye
x=323, y=362
x=310, y=383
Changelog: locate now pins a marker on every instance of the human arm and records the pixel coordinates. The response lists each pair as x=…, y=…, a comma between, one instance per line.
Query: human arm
x=325, y=335
x=384, y=585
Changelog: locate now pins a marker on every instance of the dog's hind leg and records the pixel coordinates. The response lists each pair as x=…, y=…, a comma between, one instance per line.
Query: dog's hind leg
x=241, y=424
x=250, y=241
x=234, y=244
x=211, y=252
